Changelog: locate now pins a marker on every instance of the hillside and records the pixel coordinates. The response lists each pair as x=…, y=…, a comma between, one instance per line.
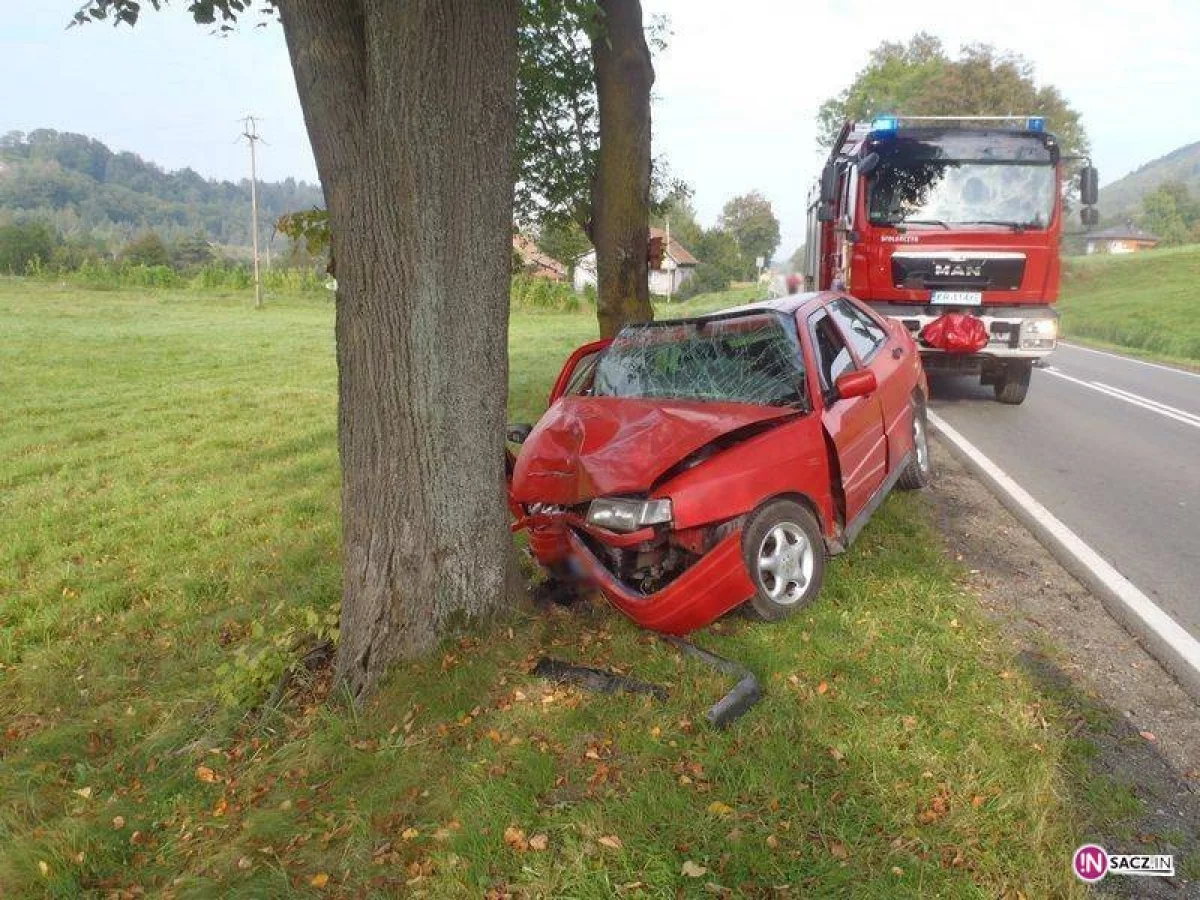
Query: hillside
x=1144, y=301
x=86, y=190
x=1122, y=199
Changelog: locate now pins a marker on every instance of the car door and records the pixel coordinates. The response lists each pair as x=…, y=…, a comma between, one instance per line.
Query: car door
x=579, y=370
x=877, y=347
x=855, y=424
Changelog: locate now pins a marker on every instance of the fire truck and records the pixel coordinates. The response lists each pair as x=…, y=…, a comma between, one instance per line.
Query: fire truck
x=952, y=226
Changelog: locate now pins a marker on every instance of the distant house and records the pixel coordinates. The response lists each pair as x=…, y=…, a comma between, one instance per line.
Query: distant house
x=677, y=267
x=1127, y=238
x=537, y=263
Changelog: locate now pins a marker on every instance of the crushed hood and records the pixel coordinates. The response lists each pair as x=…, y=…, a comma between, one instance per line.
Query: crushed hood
x=587, y=447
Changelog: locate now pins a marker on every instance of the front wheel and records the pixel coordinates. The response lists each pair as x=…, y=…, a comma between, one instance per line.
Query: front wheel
x=919, y=471
x=785, y=557
x=1012, y=383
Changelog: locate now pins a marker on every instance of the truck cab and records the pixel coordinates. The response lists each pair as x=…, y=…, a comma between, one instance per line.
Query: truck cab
x=927, y=217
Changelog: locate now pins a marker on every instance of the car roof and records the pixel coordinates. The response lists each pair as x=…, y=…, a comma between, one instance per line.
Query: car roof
x=790, y=304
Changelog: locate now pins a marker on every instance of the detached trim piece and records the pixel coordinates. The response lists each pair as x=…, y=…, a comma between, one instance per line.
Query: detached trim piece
x=744, y=695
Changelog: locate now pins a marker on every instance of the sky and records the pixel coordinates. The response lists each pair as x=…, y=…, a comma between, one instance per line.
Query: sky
x=736, y=90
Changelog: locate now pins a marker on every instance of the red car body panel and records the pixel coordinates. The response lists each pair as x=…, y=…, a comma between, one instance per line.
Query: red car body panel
x=717, y=462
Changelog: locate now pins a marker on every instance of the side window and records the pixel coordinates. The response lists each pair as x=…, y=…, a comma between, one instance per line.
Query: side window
x=833, y=357
x=583, y=375
x=863, y=332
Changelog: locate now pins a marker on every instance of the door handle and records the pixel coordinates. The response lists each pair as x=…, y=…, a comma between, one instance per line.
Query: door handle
x=897, y=352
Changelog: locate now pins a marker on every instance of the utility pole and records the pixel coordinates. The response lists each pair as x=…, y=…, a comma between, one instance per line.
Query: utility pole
x=251, y=135
x=667, y=261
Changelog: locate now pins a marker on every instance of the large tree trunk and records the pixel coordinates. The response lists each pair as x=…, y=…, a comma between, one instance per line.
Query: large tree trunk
x=621, y=194
x=411, y=110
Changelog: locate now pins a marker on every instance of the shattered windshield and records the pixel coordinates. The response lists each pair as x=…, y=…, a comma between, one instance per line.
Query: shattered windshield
x=745, y=359
x=964, y=179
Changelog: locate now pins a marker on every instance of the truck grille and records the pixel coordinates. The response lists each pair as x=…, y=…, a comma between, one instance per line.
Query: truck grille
x=939, y=270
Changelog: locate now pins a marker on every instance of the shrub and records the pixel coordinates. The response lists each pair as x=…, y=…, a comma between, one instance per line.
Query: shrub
x=708, y=279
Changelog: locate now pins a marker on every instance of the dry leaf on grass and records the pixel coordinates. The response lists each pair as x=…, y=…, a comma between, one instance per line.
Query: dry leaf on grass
x=319, y=880
x=207, y=775
x=539, y=842
x=611, y=841
x=693, y=869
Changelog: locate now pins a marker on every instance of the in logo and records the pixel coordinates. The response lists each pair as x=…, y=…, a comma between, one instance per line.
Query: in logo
x=1090, y=863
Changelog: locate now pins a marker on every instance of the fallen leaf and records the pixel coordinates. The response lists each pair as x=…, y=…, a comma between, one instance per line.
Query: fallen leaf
x=515, y=838
x=837, y=754
x=44, y=868
x=823, y=687
x=772, y=842
x=207, y=775
x=85, y=793
x=896, y=870
x=1150, y=736
x=319, y=880
x=693, y=870
x=717, y=808
x=539, y=842
x=909, y=722
x=244, y=863
x=409, y=833
x=611, y=841
x=838, y=849
x=118, y=822
x=221, y=807
x=978, y=800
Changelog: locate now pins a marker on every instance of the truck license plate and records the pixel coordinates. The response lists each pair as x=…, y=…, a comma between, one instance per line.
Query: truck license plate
x=956, y=298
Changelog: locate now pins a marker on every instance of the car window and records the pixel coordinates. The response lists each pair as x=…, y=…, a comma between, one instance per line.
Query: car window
x=582, y=375
x=833, y=357
x=863, y=332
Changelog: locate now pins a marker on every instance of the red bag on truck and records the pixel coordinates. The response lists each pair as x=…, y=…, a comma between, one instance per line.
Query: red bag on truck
x=956, y=333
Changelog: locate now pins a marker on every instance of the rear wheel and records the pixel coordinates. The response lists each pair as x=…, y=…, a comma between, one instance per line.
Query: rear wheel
x=785, y=557
x=1012, y=383
x=919, y=471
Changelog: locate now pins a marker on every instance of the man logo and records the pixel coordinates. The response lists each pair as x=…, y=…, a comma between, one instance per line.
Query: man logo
x=958, y=270
x=1090, y=863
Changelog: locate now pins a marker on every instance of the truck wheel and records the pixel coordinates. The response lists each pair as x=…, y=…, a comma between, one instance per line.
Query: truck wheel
x=1013, y=383
x=785, y=557
x=919, y=471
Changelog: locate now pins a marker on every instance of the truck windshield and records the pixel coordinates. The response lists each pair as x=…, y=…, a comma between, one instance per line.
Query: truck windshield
x=1000, y=180
x=745, y=359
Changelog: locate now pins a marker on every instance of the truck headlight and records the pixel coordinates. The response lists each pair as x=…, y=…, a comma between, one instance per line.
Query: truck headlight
x=1037, y=334
x=618, y=514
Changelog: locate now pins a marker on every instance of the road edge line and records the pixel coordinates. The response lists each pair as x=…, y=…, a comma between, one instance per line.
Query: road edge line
x=1164, y=638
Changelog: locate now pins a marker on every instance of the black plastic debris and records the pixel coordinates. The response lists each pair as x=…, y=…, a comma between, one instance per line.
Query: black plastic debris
x=599, y=681
x=744, y=695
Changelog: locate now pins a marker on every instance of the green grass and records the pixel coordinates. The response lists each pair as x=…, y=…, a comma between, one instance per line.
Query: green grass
x=168, y=509
x=1144, y=302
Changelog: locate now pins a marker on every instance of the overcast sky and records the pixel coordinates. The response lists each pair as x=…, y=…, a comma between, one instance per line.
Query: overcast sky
x=736, y=93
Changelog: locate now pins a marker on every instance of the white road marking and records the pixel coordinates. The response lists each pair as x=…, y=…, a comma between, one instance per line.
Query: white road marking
x=1171, y=412
x=1130, y=359
x=1165, y=638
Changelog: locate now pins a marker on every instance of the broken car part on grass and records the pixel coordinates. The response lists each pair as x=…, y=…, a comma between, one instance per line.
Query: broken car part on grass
x=689, y=467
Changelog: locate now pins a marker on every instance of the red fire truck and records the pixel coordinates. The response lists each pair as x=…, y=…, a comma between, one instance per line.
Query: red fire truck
x=954, y=221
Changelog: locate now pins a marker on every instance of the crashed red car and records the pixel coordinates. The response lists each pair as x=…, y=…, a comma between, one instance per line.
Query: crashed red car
x=690, y=466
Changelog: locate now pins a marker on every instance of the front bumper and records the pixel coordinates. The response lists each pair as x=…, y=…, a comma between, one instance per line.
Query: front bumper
x=715, y=584
x=1003, y=325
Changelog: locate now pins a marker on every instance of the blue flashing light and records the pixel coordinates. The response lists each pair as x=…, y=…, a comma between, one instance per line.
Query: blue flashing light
x=1036, y=123
x=885, y=123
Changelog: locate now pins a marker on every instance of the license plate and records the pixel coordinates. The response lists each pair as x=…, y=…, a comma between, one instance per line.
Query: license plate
x=956, y=298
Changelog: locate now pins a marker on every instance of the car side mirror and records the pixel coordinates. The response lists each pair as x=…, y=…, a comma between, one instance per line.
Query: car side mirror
x=855, y=384
x=829, y=179
x=517, y=433
x=869, y=164
x=1090, y=217
x=825, y=212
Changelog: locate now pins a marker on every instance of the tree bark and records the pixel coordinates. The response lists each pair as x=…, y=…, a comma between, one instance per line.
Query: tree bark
x=621, y=193
x=411, y=109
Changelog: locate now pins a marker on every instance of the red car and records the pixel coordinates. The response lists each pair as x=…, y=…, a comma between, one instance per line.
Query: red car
x=690, y=466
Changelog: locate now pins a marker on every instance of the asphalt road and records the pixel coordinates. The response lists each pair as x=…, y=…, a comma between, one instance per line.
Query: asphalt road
x=1111, y=446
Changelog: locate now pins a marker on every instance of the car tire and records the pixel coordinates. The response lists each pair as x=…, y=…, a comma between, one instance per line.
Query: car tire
x=785, y=557
x=919, y=471
x=1013, y=383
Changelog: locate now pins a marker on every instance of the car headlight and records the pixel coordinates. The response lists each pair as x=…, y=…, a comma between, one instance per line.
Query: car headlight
x=1037, y=333
x=618, y=514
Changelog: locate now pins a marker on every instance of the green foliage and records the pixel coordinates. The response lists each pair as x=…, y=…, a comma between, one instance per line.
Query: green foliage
x=920, y=79
x=565, y=241
x=1121, y=200
x=21, y=245
x=77, y=185
x=706, y=280
x=533, y=293
x=1171, y=213
x=752, y=223
x=719, y=248
x=192, y=251
x=147, y=249
x=272, y=648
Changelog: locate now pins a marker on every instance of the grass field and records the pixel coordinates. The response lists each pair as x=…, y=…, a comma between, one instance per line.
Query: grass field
x=1140, y=301
x=169, y=525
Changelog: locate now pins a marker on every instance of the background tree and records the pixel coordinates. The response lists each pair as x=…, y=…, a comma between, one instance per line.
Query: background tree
x=1171, y=213
x=920, y=79
x=192, y=251
x=419, y=195
x=147, y=249
x=21, y=245
x=752, y=223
